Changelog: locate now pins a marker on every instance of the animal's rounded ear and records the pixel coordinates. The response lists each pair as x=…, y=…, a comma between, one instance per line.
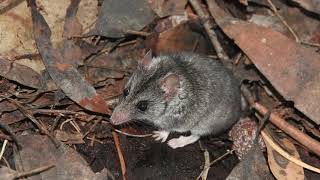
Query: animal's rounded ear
x=146, y=60
x=170, y=84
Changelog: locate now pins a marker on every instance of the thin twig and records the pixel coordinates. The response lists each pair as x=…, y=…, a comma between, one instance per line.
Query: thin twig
x=12, y=135
x=139, y=33
x=27, y=113
x=109, y=173
x=275, y=119
x=92, y=140
x=73, y=124
x=76, y=126
x=113, y=47
x=292, y=131
x=204, y=173
x=237, y=58
x=30, y=116
x=195, y=45
x=213, y=162
x=92, y=127
x=205, y=18
x=55, y=123
x=64, y=122
x=90, y=118
x=34, y=171
x=3, y=148
x=40, y=126
x=127, y=43
x=132, y=135
x=95, y=140
x=221, y=157
x=55, y=111
x=6, y=162
x=121, y=158
x=275, y=11
x=310, y=44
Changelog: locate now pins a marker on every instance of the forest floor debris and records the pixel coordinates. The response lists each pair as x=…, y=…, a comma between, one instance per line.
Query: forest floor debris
x=64, y=64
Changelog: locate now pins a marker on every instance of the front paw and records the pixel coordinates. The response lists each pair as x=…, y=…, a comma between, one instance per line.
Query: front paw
x=160, y=135
x=182, y=141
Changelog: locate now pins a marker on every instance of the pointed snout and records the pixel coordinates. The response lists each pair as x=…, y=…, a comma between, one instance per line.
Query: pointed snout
x=119, y=117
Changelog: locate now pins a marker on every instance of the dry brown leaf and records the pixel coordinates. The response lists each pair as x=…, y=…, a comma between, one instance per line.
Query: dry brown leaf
x=69, y=138
x=282, y=168
x=20, y=73
x=116, y=18
x=279, y=59
x=38, y=151
x=7, y=173
x=15, y=32
x=16, y=36
x=64, y=74
x=168, y=7
x=187, y=36
x=244, y=2
x=310, y=5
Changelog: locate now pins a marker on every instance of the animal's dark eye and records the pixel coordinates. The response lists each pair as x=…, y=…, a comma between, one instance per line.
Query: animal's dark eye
x=142, y=105
x=126, y=92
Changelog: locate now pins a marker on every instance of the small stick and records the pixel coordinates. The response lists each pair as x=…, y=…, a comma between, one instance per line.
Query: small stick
x=92, y=140
x=195, y=45
x=310, y=44
x=109, y=173
x=132, y=135
x=275, y=119
x=34, y=171
x=64, y=122
x=110, y=49
x=56, y=111
x=92, y=127
x=95, y=140
x=208, y=25
x=55, y=123
x=90, y=118
x=12, y=135
x=30, y=116
x=221, y=157
x=206, y=165
x=295, y=133
x=139, y=33
x=214, y=161
x=6, y=162
x=3, y=148
x=127, y=43
x=237, y=58
x=121, y=158
x=273, y=7
x=212, y=56
x=75, y=126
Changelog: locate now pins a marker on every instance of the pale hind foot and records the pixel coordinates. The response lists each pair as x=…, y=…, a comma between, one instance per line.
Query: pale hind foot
x=182, y=141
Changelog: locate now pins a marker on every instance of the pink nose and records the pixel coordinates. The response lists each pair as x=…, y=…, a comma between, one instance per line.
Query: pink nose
x=119, y=118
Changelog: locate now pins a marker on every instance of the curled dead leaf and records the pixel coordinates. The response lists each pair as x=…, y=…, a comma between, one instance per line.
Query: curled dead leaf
x=281, y=167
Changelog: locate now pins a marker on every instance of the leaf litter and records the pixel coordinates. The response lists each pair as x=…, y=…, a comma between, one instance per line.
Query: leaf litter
x=63, y=65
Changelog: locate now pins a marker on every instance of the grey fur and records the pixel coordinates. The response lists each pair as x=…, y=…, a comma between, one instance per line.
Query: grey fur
x=207, y=102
